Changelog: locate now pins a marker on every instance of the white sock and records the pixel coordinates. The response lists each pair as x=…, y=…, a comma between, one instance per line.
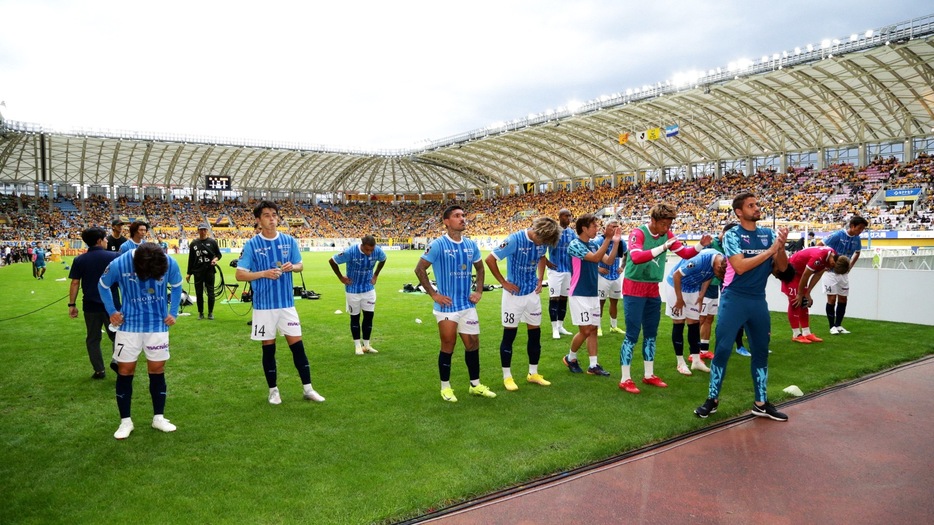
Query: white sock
x=806, y=330
x=649, y=368
x=572, y=355
x=593, y=361
x=273, y=389
x=308, y=388
x=445, y=384
x=681, y=360
x=366, y=343
x=612, y=322
x=794, y=332
x=624, y=369
x=555, y=325
x=474, y=382
x=356, y=343
x=533, y=369
x=507, y=372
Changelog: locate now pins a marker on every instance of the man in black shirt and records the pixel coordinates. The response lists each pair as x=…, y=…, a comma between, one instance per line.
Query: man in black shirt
x=85, y=271
x=203, y=254
x=116, y=239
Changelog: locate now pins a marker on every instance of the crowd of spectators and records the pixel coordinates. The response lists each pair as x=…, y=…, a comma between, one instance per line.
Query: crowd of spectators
x=823, y=198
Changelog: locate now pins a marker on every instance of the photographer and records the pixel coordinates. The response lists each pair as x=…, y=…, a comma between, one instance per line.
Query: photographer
x=203, y=254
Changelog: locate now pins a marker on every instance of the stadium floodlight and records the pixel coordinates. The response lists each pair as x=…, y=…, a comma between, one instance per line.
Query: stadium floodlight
x=825, y=43
x=869, y=33
x=775, y=56
x=854, y=37
x=797, y=50
x=810, y=48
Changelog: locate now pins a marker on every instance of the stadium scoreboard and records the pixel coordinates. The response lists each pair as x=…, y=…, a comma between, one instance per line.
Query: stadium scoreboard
x=217, y=182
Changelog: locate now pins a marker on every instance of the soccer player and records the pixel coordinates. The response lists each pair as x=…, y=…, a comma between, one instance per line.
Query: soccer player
x=143, y=324
x=837, y=286
x=645, y=268
x=451, y=257
x=360, y=287
x=558, y=274
x=683, y=299
x=610, y=284
x=203, y=254
x=85, y=272
x=116, y=239
x=524, y=252
x=267, y=262
x=38, y=255
x=138, y=231
x=752, y=254
x=711, y=299
x=808, y=265
x=584, y=299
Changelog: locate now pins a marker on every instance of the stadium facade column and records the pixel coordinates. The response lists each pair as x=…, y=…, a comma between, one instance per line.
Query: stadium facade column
x=821, y=158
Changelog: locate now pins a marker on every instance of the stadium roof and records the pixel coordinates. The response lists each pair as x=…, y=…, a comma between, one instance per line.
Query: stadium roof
x=875, y=88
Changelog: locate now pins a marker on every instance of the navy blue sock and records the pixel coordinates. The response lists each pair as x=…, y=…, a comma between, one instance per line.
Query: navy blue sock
x=355, y=326
x=554, y=309
x=831, y=315
x=694, y=338
x=444, y=366
x=677, y=338
x=301, y=361
x=535, y=345
x=562, y=308
x=739, y=339
x=841, y=310
x=269, y=364
x=472, y=358
x=124, y=394
x=158, y=392
x=505, y=346
x=367, y=324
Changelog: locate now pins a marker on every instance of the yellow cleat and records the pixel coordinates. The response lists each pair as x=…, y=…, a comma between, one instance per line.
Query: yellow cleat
x=537, y=379
x=447, y=394
x=617, y=330
x=510, y=384
x=481, y=390
x=599, y=331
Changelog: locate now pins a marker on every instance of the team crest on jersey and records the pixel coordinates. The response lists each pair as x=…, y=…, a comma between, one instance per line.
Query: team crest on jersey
x=764, y=239
x=503, y=245
x=689, y=265
x=428, y=249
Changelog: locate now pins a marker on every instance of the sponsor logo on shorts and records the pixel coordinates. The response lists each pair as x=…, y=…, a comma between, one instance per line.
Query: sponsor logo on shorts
x=163, y=346
x=293, y=323
x=473, y=323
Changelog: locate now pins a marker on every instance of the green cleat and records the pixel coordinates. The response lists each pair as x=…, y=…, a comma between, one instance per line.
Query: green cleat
x=481, y=390
x=447, y=394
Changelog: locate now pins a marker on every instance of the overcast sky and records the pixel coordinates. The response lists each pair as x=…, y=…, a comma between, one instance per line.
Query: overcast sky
x=375, y=74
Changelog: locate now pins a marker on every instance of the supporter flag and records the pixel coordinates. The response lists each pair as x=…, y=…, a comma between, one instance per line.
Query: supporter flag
x=671, y=131
x=641, y=136
x=623, y=138
x=653, y=134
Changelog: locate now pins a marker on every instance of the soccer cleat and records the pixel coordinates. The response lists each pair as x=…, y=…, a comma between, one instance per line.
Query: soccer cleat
x=510, y=384
x=706, y=354
x=743, y=352
x=358, y=350
x=312, y=395
x=537, y=379
x=563, y=331
x=159, y=422
x=698, y=364
x=274, y=398
x=597, y=370
x=801, y=339
x=834, y=330
x=655, y=381
x=618, y=330
x=599, y=331
x=99, y=375
x=210, y=317
x=841, y=330
x=629, y=386
x=370, y=350
x=709, y=407
x=684, y=370
x=768, y=410
x=201, y=317
x=447, y=394
x=555, y=334
x=123, y=431
x=814, y=339
x=573, y=366
x=481, y=390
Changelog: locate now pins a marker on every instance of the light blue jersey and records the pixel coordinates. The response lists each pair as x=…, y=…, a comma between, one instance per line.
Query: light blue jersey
x=359, y=267
x=748, y=243
x=261, y=254
x=452, y=264
x=694, y=271
x=128, y=245
x=613, y=271
x=843, y=243
x=558, y=254
x=145, y=303
x=523, y=256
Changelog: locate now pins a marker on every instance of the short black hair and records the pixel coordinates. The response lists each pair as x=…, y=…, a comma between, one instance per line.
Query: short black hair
x=93, y=235
x=740, y=199
x=258, y=210
x=368, y=240
x=449, y=210
x=786, y=275
x=857, y=221
x=149, y=261
x=134, y=227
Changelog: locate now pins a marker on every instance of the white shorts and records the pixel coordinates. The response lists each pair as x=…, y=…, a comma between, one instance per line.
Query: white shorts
x=836, y=284
x=128, y=346
x=559, y=283
x=467, y=320
x=267, y=322
x=517, y=309
x=584, y=310
x=608, y=289
x=357, y=302
x=711, y=305
x=690, y=310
